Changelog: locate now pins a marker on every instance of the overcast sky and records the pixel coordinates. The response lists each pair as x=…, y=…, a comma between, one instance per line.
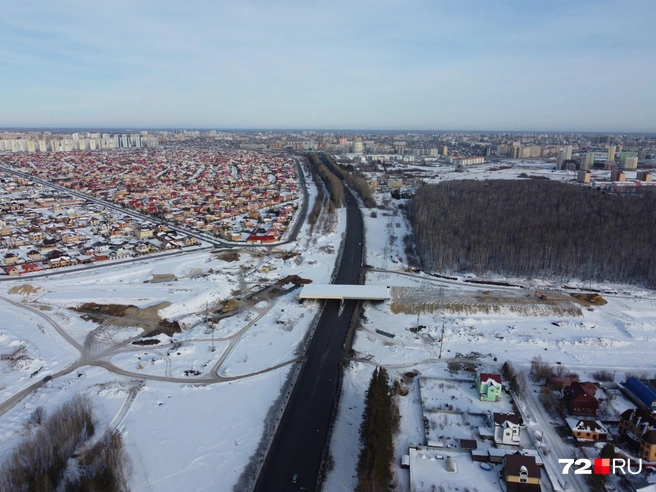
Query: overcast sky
x=380, y=64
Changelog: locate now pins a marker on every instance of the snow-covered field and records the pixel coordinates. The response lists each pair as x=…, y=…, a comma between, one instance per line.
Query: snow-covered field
x=501, y=169
x=192, y=418
x=619, y=336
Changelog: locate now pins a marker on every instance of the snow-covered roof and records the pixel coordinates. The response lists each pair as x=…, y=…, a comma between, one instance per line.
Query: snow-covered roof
x=489, y=378
x=344, y=292
x=586, y=425
x=510, y=419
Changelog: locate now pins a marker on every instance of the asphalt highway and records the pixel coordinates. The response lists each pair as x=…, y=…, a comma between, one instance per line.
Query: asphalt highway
x=300, y=439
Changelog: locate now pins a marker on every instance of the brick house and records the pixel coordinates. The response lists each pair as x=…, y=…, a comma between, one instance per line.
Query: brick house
x=586, y=430
x=639, y=427
x=580, y=398
x=30, y=268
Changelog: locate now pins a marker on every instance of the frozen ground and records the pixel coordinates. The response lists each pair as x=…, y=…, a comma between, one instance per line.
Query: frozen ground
x=619, y=336
x=484, y=324
x=501, y=169
x=429, y=471
x=191, y=418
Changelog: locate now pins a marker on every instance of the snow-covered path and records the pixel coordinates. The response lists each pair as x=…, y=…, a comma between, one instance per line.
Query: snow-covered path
x=552, y=442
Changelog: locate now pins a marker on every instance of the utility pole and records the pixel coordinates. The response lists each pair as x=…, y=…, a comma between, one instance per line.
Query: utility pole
x=209, y=324
x=442, y=339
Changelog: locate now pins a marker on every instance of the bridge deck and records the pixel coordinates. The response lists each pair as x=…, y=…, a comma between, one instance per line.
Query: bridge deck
x=345, y=292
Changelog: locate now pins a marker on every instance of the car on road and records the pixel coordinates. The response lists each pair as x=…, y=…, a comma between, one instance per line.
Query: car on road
x=47, y=378
x=295, y=478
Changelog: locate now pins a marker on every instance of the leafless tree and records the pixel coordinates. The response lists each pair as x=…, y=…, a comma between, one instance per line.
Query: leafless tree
x=535, y=228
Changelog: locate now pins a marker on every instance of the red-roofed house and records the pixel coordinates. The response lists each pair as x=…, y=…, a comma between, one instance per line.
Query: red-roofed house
x=580, y=398
x=488, y=386
x=30, y=267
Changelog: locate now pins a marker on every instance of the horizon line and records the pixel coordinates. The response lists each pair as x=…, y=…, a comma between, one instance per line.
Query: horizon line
x=300, y=129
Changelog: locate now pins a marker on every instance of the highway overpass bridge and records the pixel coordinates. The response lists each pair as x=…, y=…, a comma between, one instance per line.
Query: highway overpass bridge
x=345, y=292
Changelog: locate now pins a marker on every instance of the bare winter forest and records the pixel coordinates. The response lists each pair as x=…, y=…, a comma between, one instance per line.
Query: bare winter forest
x=535, y=228
x=63, y=452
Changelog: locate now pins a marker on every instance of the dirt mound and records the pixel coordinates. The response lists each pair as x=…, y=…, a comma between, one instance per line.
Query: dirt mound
x=24, y=290
x=148, y=313
x=120, y=310
x=585, y=299
x=293, y=279
x=123, y=315
x=109, y=309
x=166, y=327
x=231, y=305
x=228, y=256
x=146, y=341
x=413, y=300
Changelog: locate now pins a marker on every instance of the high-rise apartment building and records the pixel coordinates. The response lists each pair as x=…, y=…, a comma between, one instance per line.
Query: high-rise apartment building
x=611, y=154
x=587, y=161
x=630, y=163
x=627, y=155
x=568, y=152
x=560, y=159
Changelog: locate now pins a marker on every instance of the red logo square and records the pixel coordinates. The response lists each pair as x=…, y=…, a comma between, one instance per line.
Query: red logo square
x=602, y=466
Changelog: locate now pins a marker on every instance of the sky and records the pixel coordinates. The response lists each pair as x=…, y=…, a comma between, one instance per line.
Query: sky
x=552, y=65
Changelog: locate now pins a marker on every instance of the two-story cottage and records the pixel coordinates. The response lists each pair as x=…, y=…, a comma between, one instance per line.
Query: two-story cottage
x=639, y=427
x=521, y=473
x=507, y=428
x=10, y=258
x=580, y=398
x=587, y=430
x=488, y=386
x=30, y=268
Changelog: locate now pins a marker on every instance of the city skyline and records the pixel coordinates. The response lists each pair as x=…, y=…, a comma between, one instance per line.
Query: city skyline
x=422, y=66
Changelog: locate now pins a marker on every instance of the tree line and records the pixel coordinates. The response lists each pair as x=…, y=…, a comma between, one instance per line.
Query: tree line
x=354, y=179
x=40, y=462
x=318, y=202
x=376, y=431
x=333, y=183
x=535, y=228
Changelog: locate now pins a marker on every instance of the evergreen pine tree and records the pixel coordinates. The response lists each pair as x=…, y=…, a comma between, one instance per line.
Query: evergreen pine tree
x=377, y=453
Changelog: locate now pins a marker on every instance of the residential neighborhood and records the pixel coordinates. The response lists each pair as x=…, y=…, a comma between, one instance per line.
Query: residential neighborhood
x=233, y=195
x=42, y=229
x=477, y=442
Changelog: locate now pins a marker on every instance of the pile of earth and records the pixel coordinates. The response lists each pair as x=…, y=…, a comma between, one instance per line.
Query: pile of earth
x=98, y=312
x=594, y=299
x=24, y=290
